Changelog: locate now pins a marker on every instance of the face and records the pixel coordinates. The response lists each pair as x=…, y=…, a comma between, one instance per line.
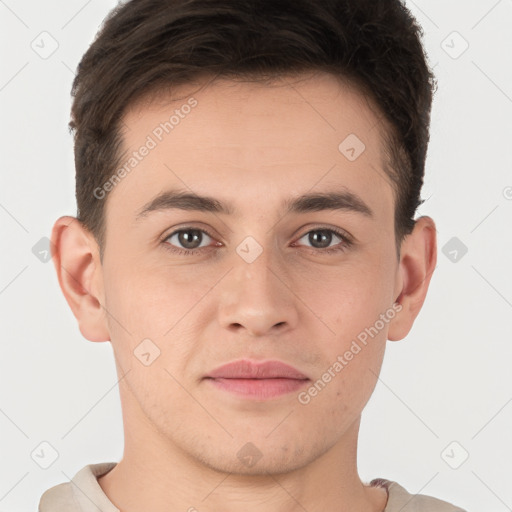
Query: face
x=257, y=274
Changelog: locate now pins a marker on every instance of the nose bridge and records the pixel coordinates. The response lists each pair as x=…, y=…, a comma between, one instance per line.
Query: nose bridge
x=257, y=298
x=255, y=269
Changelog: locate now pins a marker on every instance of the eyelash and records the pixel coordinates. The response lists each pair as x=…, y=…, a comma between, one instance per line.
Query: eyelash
x=342, y=246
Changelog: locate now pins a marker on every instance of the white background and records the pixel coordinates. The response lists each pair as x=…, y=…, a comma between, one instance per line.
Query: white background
x=449, y=380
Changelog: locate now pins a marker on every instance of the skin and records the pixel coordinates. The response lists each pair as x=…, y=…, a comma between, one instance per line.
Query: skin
x=254, y=146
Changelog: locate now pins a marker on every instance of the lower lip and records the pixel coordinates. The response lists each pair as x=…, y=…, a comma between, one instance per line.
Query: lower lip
x=259, y=388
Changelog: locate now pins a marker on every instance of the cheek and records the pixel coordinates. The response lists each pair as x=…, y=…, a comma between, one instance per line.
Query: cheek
x=162, y=305
x=348, y=376
x=148, y=302
x=347, y=298
x=354, y=303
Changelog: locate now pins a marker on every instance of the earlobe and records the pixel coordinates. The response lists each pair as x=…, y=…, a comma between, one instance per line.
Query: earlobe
x=418, y=258
x=76, y=259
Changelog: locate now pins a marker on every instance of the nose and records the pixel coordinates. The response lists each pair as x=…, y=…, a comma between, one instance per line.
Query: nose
x=257, y=297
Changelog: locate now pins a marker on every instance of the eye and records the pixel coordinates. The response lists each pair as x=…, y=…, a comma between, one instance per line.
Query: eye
x=187, y=240
x=321, y=239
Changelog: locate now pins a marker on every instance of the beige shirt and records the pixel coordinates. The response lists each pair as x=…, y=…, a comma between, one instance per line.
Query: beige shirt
x=84, y=494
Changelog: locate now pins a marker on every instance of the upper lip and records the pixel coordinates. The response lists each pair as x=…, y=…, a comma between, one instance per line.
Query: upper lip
x=245, y=369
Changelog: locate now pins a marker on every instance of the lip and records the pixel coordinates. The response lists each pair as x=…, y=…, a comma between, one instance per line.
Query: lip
x=246, y=369
x=257, y=380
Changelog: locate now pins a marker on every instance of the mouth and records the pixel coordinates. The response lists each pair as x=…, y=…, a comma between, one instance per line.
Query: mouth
x=256, y=380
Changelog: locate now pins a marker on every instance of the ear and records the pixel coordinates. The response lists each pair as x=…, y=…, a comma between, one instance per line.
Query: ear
x=75, y=255
x=418, y=258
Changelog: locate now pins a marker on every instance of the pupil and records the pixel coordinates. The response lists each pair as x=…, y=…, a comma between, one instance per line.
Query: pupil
x=325, y=236
x=190, y=242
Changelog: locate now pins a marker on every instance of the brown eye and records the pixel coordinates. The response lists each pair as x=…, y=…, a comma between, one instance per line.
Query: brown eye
x=188, y=238
x=322, y=238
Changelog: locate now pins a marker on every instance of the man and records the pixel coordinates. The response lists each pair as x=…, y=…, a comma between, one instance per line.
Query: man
x=247, y=178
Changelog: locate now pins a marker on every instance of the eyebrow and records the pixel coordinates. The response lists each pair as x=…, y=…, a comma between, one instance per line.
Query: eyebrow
x=343, y=200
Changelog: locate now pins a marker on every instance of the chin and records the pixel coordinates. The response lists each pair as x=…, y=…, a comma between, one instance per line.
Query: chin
x=259, y=458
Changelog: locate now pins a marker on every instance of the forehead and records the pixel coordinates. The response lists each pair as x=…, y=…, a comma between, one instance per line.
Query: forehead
x=262, y=140
x=326, y=102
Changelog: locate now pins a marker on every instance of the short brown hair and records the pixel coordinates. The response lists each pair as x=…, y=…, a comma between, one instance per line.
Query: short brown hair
x=150, y=45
